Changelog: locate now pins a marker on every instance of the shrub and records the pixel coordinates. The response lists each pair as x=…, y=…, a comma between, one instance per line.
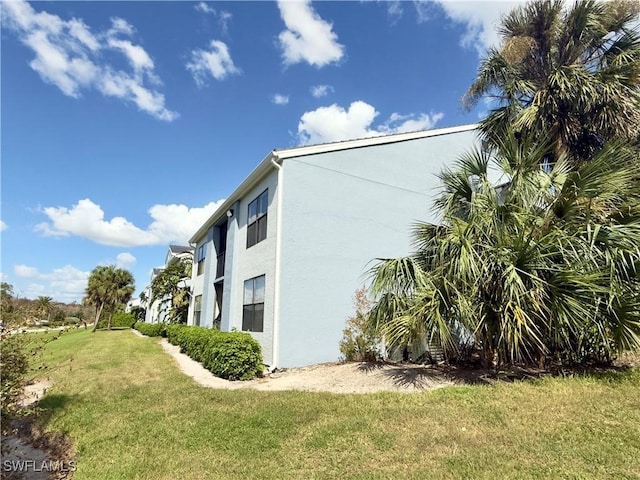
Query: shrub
x=19, y=358
x=151, y=329
x=122, y=319
x=230, y=355
x=360, y=343
x=14, y=360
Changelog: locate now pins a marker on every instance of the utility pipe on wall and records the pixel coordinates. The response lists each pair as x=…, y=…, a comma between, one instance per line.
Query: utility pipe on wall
x=276, y=287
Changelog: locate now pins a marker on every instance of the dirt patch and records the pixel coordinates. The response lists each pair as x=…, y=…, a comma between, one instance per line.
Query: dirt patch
x=29, y=452
x=327, y=377
x=341, y=377
x=34, y=392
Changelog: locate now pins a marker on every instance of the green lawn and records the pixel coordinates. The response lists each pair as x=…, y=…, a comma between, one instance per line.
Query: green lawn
x=131, y=414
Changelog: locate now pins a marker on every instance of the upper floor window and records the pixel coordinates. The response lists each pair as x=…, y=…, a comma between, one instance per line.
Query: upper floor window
x=200, y=258
x=257, y=219
x=253, y=305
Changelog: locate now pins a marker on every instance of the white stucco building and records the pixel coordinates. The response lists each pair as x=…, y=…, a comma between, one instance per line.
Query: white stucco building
x=285, y=253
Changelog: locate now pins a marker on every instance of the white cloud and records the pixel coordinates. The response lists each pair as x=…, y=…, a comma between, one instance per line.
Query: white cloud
x=120, y=26
x=394, y=10
x=137, y=56
x=171, y=223
x=215, y=62
x=279, y=99
x=308, y=37
x=319, y=91
x=410, y=123
x=70, y=56
x=223, y=16
x=423, y=10
x=334, y=123
x=223, y=19
x=125, y=260
x=66, y=284
x=204, y=8
x=3, y=226
x=481, y=20
x=24, y=271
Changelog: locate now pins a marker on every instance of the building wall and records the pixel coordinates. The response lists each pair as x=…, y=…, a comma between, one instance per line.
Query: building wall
x=253, y=262
x=241, y=264
x=198, y=282
x=341, y=211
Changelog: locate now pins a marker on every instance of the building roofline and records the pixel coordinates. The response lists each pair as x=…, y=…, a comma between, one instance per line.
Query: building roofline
x=282, y=154
x=368, y=141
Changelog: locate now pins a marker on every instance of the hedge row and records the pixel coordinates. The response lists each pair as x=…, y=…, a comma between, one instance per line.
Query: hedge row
x=230, y=355
x=151, y=329
x=122, y=319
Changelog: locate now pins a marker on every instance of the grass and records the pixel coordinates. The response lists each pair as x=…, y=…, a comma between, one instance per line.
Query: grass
x=132, y=414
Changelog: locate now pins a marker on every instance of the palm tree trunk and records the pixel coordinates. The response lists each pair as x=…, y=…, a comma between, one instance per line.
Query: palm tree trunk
x=98, y=313
x=487, y=355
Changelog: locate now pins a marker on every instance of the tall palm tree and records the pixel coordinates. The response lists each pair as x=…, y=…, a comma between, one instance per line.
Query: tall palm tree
x=544, y=267
x=44, y=306
x=567, y=70
x=108, y=287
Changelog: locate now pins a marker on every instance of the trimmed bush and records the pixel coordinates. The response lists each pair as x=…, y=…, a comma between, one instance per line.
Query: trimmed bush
x=151, y=329
x=230, y=355
x=235, y=356
x=122, y=319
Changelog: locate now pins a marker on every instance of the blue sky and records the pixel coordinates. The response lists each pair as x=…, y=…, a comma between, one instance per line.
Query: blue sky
x=124, y=124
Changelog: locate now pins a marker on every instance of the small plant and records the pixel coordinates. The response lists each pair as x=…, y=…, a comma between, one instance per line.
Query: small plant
x=14, y=362
x=360, y=342
x=19, y=357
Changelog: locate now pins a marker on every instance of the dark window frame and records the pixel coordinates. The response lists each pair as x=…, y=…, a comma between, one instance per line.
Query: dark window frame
x=253, y=307
x=202, y=251
x=257, y=221
x=197, y=309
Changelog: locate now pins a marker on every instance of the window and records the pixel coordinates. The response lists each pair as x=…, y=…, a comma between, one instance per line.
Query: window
x=197, y=308
x=221, y=247
x=257, y=219
x=200, y=258
x=253, y=305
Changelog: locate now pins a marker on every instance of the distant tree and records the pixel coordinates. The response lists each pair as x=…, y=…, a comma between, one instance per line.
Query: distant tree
x=45, y=306
x=6, y=290
x=107, y=288
x=170, y=290
x=6, y=302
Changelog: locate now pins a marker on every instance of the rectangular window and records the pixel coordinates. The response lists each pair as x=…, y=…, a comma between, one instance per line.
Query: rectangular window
x=253, y=305
x=257, y=219
x=221, y=247
x=197, y=308
x=200, y=258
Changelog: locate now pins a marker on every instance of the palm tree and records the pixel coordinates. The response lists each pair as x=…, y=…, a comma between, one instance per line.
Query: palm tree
x=108, y=287
x=543, y=268
x=45, y=306
x=170, y=290
x=571, y=73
